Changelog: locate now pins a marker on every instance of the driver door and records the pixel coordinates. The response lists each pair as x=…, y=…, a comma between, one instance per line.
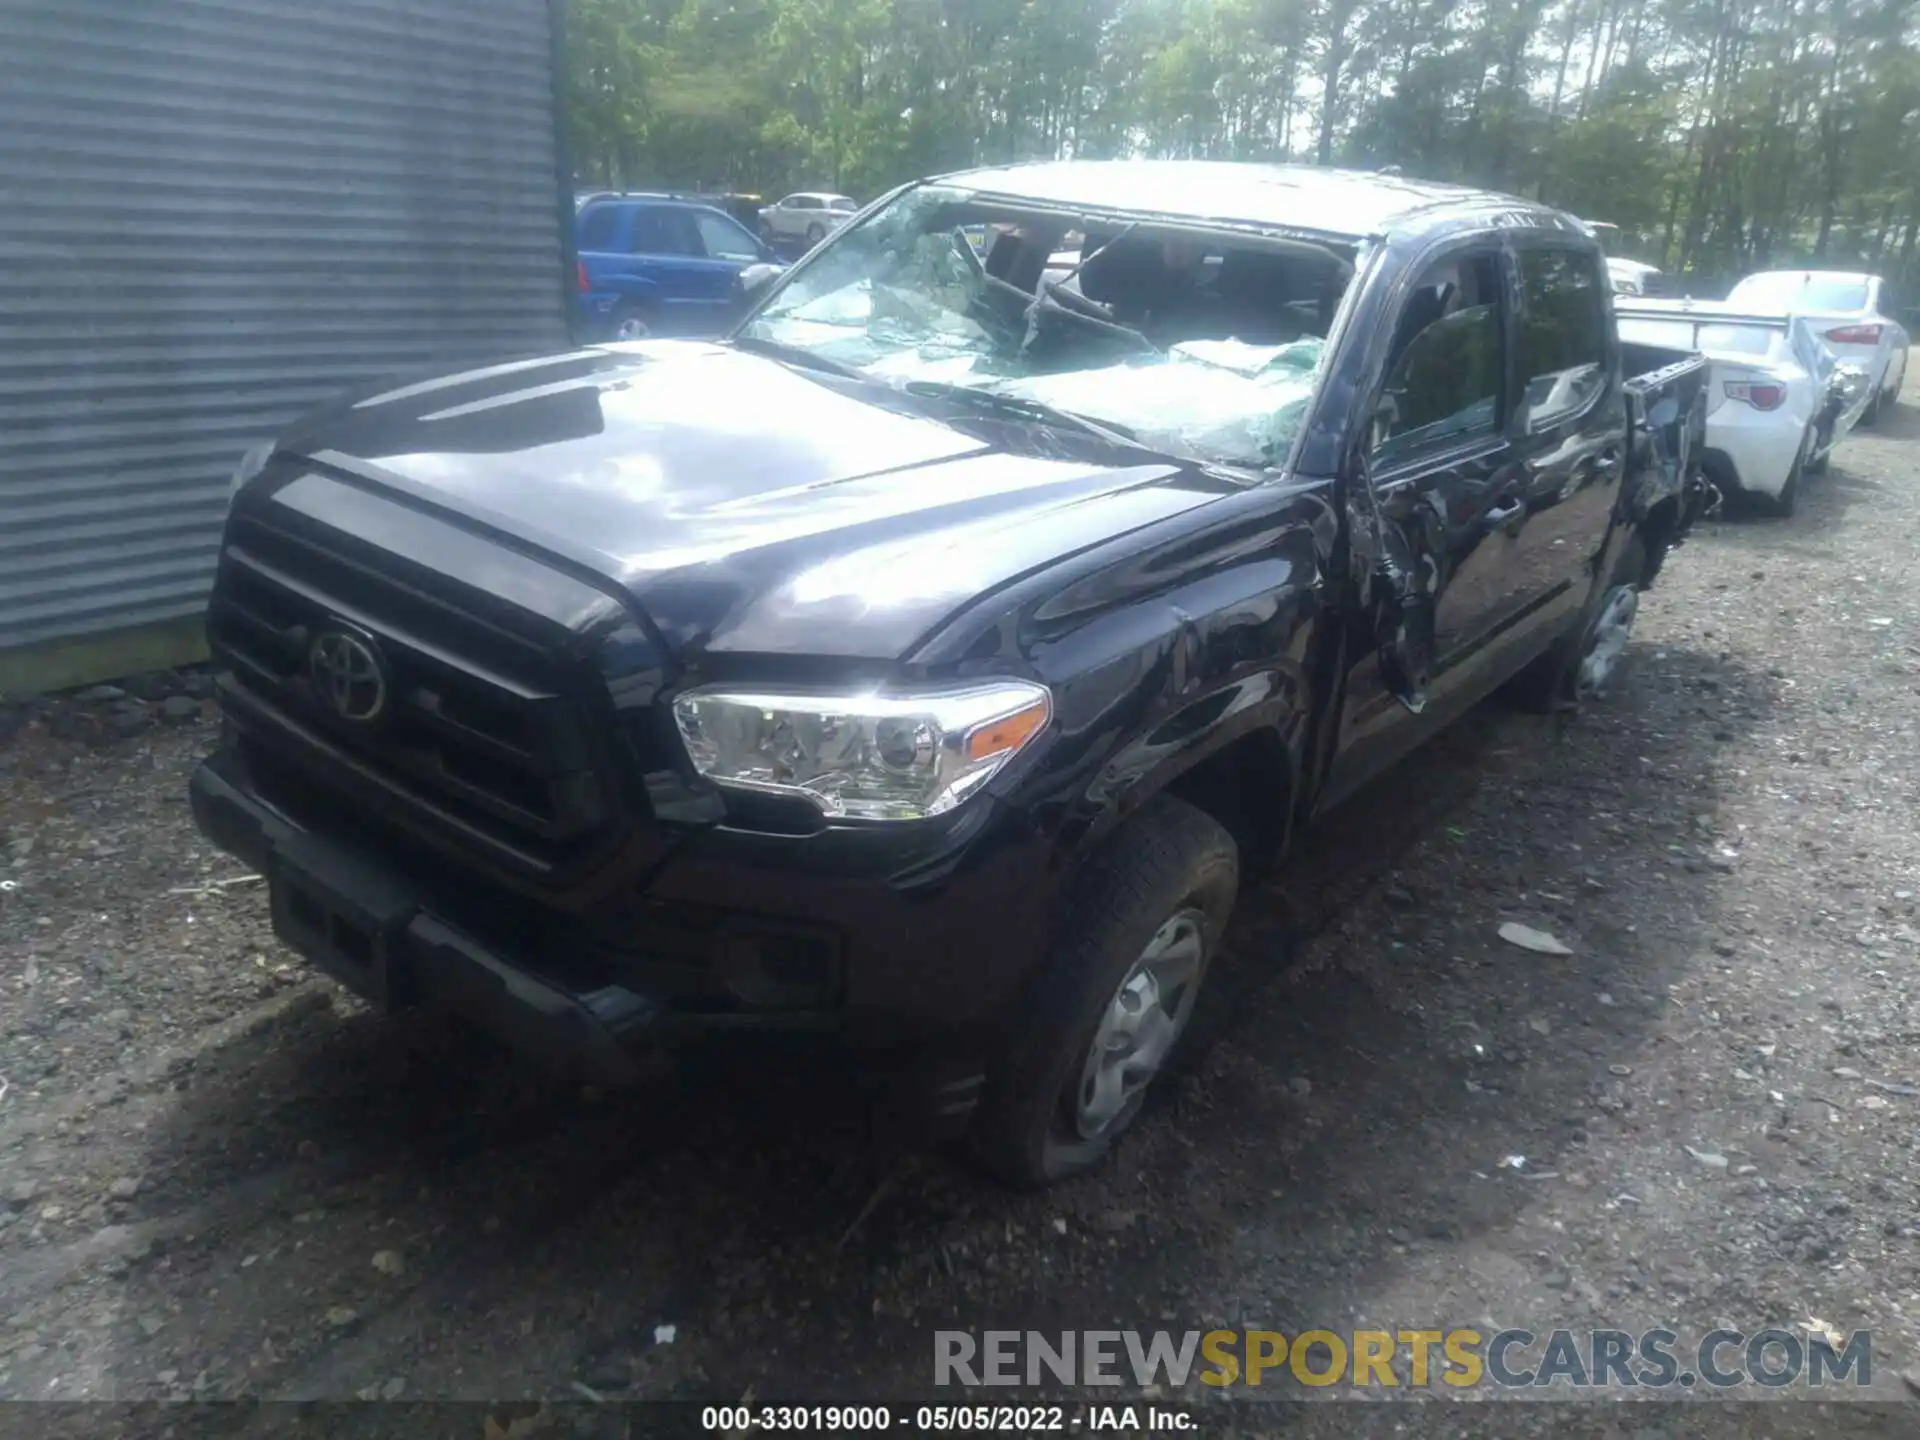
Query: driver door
x=1437, y=506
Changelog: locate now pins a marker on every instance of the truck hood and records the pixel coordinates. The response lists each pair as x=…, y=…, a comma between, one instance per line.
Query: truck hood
x=746, y=505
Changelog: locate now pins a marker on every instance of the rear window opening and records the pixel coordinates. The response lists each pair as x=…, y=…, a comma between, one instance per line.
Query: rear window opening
x=1802, y=291
x=1200, y=342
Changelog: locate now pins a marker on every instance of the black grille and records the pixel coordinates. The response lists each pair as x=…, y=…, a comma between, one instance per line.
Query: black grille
x=478, y=731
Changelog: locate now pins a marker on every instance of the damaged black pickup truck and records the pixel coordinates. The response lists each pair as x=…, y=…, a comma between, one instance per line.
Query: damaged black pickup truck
x=932, y=660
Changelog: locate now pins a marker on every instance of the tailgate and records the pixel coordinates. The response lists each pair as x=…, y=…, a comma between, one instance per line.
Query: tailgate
x=1668, y=394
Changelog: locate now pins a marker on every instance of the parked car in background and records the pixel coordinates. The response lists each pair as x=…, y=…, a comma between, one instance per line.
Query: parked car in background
x=808, y=215
x=1628, y=277
x=1632, y=277
x=1779, y=398
x=1858, y=321
x=932, y=659
x=660, y=265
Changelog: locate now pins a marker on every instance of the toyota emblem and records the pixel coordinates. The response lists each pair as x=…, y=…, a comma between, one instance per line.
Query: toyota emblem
x=348, y=676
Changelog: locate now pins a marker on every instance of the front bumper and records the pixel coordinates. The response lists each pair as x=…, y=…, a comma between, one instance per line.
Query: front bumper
x=918, y=976
x=372, y=932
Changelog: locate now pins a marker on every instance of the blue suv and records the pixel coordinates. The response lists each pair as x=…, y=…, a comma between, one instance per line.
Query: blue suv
x=659, y=265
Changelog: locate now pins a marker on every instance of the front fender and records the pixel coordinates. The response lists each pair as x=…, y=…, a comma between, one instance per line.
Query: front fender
x=1268, y=708
x=1157, y=687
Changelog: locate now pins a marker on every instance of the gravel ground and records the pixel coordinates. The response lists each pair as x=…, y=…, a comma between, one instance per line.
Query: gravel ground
x=220, y=1178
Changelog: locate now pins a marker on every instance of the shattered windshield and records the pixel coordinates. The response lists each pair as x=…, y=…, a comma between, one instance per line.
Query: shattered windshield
x=1196, y=343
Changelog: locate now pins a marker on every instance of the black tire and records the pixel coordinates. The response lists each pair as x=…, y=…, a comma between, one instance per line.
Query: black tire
x=1170, y=864
x=1871, y=415
x=816, y=232
x=1552, y=683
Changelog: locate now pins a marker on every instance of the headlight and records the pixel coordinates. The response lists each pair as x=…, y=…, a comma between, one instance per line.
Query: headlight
x=251, y=464
x=866, y=756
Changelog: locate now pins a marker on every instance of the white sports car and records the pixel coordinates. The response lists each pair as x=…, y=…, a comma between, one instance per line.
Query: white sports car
x=1851, y=309
x=1779, y=398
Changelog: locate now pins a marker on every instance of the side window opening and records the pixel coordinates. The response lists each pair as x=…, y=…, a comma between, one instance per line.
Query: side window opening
x=1447, y=362
x=1561, y=335
x=721, y=239
x=658, y=230
x=599, y=228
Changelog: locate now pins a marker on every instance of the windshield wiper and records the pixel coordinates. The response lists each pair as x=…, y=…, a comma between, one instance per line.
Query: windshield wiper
x=1033, y=412
x=796, y=355
x=1240, y=471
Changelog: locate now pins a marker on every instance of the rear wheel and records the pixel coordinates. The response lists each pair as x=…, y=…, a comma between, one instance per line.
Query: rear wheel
x=1607, y=640
x=1116, y=996
x=1570, y=675
x=816, y=232
x=631, y=322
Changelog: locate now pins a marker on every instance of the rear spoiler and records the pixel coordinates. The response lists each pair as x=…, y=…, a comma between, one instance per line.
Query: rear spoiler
x=1718, y=312
x=1699, y=312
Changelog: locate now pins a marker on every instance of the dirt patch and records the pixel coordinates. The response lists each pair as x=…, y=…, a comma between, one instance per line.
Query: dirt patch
x=218, y=1177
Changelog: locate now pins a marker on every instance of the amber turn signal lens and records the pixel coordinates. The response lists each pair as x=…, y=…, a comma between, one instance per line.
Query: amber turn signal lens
x=1010, y=732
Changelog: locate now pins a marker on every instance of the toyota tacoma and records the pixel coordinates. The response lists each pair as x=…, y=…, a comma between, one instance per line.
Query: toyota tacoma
x=932, y=659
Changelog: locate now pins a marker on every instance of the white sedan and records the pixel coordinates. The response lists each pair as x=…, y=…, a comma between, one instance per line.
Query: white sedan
x=807, y=215
x=1851, y=310
x=1778, y=401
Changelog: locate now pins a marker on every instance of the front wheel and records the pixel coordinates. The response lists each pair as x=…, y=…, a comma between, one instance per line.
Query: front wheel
x=1115, y=998
x=816, y=232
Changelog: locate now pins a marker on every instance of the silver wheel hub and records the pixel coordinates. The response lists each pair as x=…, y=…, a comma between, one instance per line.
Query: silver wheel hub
x=631, y=328
x=1141, y=1022
x=1611, y=633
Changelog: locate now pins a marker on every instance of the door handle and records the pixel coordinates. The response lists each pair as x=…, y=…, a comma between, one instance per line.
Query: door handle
x=1504, y=516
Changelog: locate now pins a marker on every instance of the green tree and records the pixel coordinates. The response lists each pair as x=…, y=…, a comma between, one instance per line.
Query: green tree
x=1720, y=135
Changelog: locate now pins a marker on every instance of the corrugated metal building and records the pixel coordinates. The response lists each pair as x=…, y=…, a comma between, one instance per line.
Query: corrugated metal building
x=215, y=213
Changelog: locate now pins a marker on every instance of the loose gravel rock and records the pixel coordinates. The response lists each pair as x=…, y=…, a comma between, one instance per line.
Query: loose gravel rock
x=1712, y=1097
